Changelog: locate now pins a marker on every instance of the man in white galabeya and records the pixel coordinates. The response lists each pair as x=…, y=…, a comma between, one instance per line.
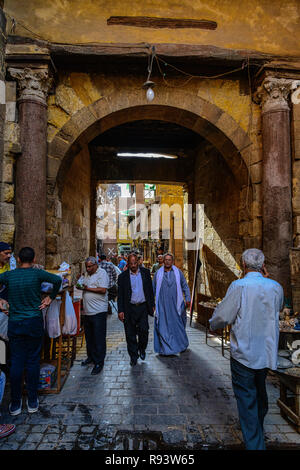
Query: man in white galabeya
x=251, y=305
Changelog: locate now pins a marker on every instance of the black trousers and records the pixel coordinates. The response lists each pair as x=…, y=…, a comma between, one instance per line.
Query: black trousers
x=95, y=336
x=136, y=329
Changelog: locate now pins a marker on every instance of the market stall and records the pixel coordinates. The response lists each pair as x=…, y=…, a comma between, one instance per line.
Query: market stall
x=62, y=327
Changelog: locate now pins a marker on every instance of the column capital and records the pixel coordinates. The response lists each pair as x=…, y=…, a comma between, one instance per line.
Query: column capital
x=33, y=83
x=273, y=94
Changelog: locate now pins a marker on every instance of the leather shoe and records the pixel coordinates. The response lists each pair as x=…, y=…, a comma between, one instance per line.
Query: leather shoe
x=87, y=361
x=133, y=362
x=143, y=355
x=97, y=369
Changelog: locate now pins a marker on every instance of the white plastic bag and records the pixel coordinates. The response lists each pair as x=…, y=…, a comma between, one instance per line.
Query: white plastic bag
x=52, y=319
x=3, y=325
x=70, y=326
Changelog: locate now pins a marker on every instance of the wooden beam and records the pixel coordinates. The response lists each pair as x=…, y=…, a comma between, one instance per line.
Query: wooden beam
x=203, y=53
x=151, y=22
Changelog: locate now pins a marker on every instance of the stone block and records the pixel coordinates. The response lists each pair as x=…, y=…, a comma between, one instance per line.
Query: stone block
x=297, y=225
x=256, y=227
x=227, y=124
x=240, y=138
x=7, y=232
x=83, y=119
x=51, y=244
x=10, y=112
x=8, y=193
x=210, y=112
x=297, y=148
x=53, y=165
x=252, y=155
x=101, y=108
x=68, y=100
x=10, y=91
x=57, y=116
x=256, y=173
x=257, y=209
x=296, y=188
x=12, y=133
x=244, y=229
x=297, y=241
x=7, y=213
x=257, y=192
x=58, y=147
x=70, y=131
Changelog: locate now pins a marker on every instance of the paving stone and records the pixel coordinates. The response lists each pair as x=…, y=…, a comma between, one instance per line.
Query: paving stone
x=64, y=446
x=50, y=438
x=28, y=446
x=9, y=446
x=39, y=428
x=145, y=409
x=168, y=420
x=46, y=446
x=72, y=428
x=175, y=436
x=69, y=437
x=34, y=437
x=87, y=429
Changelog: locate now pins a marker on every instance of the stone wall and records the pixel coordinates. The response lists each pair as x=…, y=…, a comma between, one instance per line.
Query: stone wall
x=11, y=151
x=296, y=173
x=227, y=221
x=68, y=221
x=269, y=26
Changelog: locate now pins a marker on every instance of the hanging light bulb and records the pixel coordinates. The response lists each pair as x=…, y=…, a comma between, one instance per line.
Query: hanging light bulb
x=149, y=93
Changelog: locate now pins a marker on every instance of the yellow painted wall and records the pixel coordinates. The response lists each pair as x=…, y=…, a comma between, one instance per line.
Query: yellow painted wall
x=270, y=26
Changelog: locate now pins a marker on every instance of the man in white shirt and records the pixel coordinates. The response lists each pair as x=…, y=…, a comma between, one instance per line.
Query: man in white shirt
x=252, y=307
x=95, y=305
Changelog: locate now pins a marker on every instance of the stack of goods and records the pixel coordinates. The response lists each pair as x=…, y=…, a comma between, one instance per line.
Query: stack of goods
x=295, y=277
x=48, y=374
x=288, y=324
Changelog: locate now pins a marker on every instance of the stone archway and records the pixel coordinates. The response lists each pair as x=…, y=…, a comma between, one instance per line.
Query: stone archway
x=181, y=108
x=178, y=107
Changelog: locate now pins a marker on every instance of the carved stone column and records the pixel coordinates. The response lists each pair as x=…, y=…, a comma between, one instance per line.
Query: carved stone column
x=33, y=86
x=273, y=96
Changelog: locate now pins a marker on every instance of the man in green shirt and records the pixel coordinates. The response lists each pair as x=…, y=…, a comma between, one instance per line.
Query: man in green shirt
x=25, y=325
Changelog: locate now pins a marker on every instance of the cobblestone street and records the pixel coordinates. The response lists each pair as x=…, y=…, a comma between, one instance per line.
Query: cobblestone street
x=184, y=402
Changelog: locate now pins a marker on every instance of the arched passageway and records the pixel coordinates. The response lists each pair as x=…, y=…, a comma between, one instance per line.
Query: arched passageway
x=209, y=165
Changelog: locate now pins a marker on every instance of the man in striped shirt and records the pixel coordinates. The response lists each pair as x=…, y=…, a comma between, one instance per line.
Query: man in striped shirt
x=25, y=325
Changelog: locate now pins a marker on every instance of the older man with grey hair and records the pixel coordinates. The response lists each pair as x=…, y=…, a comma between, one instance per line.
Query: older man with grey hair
x=95, y=306
x=251, y=305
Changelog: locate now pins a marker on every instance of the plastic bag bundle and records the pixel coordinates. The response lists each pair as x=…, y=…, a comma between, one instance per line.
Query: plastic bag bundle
x=52, y=319
x=3, y=325
x=70, y=325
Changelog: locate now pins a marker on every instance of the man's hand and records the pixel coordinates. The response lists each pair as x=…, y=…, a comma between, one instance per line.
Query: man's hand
x=121, y=316
x=45, y=302
x=4, y=306
x=264, y=271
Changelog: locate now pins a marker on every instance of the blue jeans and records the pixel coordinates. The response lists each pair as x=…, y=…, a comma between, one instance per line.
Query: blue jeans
x=2, y=385
x=249, y=386
x=25, y=344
